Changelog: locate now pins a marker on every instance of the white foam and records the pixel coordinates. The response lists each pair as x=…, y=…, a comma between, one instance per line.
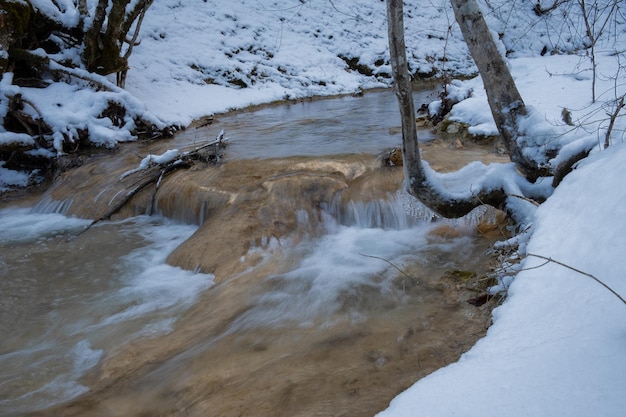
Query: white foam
x=344, y=264
x=23, y=224
x=142, y=297
x=149, y=287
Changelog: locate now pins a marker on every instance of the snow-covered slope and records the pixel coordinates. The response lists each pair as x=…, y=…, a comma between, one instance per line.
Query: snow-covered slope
x=557, y=346
x=214, y=57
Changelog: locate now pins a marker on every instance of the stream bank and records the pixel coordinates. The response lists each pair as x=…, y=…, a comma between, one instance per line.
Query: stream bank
x=298, y=238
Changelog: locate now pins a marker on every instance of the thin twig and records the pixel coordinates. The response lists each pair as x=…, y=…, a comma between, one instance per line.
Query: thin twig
x=389, y=262
x=535, y=267
x=530, y=200
x=580, y=272
x=609, y=130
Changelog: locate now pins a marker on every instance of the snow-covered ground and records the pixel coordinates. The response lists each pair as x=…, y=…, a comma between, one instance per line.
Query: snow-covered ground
x=558, y=343
x=557, y=346
x=279, y=49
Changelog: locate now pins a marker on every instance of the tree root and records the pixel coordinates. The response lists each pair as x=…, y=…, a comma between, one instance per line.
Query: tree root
x=567, y=166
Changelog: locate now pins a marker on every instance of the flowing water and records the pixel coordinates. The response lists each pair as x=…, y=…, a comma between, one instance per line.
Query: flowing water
x=293, y=279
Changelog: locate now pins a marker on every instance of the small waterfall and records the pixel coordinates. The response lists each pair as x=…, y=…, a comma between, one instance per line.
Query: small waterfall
x=48, y=206
x=398, y=211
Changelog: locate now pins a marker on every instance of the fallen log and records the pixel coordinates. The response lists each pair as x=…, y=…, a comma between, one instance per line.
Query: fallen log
x=208, y=153
x=156, y=176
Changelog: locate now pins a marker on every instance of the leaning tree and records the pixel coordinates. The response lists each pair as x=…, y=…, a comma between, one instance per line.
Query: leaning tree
x=507, y=107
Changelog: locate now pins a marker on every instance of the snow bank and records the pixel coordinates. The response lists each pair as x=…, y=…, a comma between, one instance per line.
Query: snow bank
x=557, y=344
x=10, y=178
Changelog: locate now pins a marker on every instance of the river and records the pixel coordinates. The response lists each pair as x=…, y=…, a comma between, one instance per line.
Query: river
x=293, y=278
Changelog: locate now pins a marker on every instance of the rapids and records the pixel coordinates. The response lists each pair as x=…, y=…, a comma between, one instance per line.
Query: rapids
x=294, y=278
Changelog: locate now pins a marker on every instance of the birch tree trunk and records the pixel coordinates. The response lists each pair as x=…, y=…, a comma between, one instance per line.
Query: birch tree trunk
x=504, y=99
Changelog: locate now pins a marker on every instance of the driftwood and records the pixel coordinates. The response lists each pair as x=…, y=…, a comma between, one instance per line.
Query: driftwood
x=129, y=195
x=209, y=153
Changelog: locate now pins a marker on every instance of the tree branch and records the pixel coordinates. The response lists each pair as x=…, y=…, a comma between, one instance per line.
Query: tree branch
x=155, y=177
x=620, y=106
x=547, y=259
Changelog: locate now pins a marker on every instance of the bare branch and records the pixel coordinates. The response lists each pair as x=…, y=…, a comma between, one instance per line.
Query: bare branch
x=133, y=42
x=155, y=177
x=620, y=106
x=547, y=259
x=389, y=262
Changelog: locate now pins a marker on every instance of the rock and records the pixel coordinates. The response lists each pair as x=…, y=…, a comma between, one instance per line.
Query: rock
x=423, y=121
x=453, y=128
x=446, y=231
x=493, y=224
x=394, y=158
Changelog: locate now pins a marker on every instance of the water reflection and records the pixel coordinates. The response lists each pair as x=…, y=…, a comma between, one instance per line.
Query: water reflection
x=344, y=125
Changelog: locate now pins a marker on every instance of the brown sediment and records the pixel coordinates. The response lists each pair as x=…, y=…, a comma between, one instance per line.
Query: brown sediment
x=347, y=368
x=340, y=366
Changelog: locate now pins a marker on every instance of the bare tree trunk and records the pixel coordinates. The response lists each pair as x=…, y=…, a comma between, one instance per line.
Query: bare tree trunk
x=404, y=91
x=504, y=99
x=103, y=46
x=92, y=36
x=82, y=8
x=419, y=185
x=102, y=52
